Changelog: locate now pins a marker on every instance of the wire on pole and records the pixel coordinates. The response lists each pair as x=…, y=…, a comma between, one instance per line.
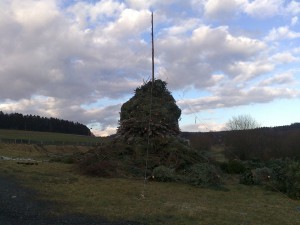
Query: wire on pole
x=152, y=38
x=150, y=112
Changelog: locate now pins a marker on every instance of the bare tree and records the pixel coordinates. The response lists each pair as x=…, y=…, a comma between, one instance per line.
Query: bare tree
x=242, y=122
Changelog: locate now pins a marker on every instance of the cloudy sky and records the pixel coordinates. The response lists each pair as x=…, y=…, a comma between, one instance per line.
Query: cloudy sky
x=81, y=59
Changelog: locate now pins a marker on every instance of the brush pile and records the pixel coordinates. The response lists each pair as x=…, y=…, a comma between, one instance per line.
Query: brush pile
x=169, y=159
x=151, y=111
x=149, y=131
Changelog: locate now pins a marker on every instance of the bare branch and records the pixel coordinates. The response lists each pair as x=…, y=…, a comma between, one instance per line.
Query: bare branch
x=242, y=122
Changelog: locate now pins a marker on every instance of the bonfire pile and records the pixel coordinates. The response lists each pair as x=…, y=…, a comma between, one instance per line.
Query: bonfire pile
x=151, y=111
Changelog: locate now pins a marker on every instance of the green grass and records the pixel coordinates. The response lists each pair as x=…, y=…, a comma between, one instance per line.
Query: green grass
x=164, y=203
x=48, y=137
x=38, y=152
x=62, y=144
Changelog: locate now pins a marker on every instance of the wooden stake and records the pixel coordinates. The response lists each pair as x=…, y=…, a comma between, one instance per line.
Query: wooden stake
x=152, y=48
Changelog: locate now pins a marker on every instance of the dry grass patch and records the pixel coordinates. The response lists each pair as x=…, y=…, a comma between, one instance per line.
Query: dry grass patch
x=21, y=151
x=164, y=203
x=39, y=152
x=217, y=152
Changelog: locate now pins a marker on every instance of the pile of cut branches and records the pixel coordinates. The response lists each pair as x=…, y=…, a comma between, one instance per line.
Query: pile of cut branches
x=151, y=111
x=169, y=159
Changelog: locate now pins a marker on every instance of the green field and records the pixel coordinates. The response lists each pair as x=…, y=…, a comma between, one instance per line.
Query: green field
x=46, y=137
x=163, y=203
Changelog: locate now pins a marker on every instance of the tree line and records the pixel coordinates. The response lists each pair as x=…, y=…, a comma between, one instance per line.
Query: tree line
x=18, y=121
x=262, y=143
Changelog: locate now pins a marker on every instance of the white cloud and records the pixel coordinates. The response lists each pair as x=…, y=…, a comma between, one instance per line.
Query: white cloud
x=279, y=79
x=263, y=8
x=109, y=8
x=203, y=126
x=129, y=23
x=243, y=70
x=104, y=132
x=106, y=116
x=181, y=28
x=37, y=105
x=294, y=20
x=233, y=97
x=282, y=33
x=85, y=13
x=296, y=50
x=283, y=57
x=259, y=9
x=34, y=14
x=206, y=51
x=67, y=64
x=139, y=4
x=103, y=117
x=224, y=9
x=293, y=7
x=58, y=60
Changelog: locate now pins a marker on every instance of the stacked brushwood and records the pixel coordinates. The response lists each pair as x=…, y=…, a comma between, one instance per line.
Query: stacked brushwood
x=149, y=131
x=168, y=160
x=151, y=111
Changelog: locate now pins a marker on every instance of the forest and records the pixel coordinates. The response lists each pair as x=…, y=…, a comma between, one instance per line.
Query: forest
x=17, y=121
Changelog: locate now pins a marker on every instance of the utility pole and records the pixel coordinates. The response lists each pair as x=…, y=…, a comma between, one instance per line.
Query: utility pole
x=152, y=48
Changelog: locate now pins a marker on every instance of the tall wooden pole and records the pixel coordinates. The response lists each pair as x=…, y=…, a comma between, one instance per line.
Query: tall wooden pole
x=152, y=48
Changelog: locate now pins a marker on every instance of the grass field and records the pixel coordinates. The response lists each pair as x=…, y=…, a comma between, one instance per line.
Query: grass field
x=48, y=137
x=37, y=152
x=164, y=203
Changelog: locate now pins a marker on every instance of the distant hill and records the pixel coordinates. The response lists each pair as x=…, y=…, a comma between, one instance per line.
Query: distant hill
x=218, y=134
x=17, y=121
x=260, y=143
